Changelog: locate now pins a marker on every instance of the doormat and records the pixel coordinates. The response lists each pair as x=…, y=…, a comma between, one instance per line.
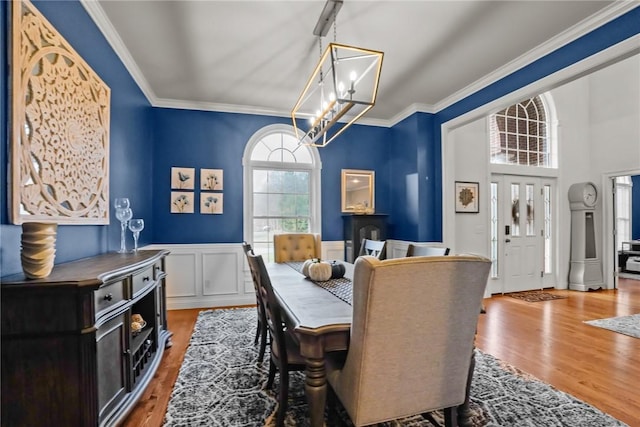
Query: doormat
x=534, y=296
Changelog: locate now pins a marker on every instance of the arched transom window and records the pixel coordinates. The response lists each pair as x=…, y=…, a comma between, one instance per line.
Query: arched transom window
x=282, y=187
x=520, y=135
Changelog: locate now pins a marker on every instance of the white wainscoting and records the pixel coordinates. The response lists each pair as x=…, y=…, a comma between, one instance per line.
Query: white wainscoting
x=216, y=274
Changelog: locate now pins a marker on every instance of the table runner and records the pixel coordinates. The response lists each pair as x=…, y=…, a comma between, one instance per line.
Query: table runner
x=341, y=288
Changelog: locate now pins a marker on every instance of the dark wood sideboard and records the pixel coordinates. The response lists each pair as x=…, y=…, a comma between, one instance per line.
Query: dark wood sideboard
x=69, y=354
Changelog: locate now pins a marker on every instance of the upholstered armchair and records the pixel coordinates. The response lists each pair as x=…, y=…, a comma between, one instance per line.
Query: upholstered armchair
x=412, y=337
x=296, y=246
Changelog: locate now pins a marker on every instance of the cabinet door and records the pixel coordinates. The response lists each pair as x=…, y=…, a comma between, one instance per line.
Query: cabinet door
x=111, y=340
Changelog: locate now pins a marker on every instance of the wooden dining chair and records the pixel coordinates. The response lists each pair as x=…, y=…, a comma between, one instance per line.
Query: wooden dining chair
x=261, y=330
x=417, y=250
x=285, y=351
x=396, y=366
x=373, y=248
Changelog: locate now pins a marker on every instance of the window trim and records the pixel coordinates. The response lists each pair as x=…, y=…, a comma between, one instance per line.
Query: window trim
x=248, y=165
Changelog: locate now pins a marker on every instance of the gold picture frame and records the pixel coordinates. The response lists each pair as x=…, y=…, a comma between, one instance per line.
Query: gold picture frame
x=358, y=191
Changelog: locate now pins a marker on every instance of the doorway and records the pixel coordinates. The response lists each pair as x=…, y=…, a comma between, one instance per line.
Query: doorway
x=624, y=209
x=522, y=232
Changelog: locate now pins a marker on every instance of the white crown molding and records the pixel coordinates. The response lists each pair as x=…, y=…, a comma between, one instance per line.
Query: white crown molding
x=411, y=109
x=241, y=109
x=217, y=107
x=616, y=9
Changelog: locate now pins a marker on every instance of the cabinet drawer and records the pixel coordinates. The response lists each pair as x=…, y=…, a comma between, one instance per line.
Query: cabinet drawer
x=142, y=279
x=109, y=295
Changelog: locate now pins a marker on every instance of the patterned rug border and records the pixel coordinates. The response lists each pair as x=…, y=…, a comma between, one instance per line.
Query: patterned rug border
x=534, y=296
x=626, y=325
x=221, y=384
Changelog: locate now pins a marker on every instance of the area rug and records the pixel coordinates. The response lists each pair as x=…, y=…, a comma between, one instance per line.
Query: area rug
x=627, y=325
x=221, y=383
x=534, y=296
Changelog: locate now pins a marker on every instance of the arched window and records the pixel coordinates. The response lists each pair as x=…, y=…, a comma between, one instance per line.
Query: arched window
x=520, y=135
x=281, y=187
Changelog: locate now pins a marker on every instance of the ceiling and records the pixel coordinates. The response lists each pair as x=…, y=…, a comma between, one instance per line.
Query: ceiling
x=256, y=56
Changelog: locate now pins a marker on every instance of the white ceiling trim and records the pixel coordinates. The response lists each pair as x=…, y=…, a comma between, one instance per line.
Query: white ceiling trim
x=411, y=109
x=606, y=15
x=222, y=108
x=613, y=11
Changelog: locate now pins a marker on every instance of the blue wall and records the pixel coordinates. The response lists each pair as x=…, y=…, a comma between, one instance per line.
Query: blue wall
x=131, y=140
x=635, y=208
x=146, y=142
x=201, y=139
x=415, y=212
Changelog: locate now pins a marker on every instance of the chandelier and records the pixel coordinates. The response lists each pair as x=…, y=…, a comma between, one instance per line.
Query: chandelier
x=341, y=89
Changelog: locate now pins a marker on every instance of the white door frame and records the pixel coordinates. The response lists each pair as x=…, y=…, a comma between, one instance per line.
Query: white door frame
x=610, y=258
x=601, y=59
x=499, y=284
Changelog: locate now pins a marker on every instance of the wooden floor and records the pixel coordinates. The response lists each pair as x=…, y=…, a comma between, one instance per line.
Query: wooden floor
x=546, y=339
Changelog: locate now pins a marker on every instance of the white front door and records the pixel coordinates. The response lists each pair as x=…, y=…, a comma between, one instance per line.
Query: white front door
x=522, y=237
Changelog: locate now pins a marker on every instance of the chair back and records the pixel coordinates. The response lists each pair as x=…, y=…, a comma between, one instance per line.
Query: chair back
x=373, y=248
x=248, y=251
x=416, y=250
x=246, y=247
x=271, y=306
x=296, y=246
x=412, y=335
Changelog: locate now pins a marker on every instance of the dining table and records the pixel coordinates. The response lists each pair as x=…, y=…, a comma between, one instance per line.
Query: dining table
x=320, y=315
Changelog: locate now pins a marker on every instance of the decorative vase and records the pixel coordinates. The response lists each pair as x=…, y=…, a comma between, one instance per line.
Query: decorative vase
x=38, y=249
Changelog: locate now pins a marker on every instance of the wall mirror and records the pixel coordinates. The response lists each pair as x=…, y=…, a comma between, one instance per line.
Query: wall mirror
x=358, y=191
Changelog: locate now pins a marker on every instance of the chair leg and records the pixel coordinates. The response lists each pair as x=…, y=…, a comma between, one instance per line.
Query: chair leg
x=272, y=373
x=258, y=332
x=263, y=342
x=284, y=396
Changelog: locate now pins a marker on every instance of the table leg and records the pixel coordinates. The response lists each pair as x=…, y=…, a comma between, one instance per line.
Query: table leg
x=316, y=390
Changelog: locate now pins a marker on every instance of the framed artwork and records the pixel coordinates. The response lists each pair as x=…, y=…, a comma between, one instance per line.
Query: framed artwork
x=211, y=179
x=467, y=197
x=211, y=203
x=60, y=112
x=183, y=178
x=181, y=202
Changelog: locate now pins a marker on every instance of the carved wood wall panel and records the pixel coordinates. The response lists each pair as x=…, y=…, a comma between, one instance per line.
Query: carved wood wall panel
x=60, y=127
